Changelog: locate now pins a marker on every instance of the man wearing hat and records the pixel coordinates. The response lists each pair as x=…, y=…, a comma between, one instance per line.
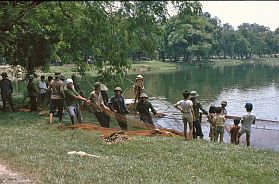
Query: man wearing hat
x=143, y=108
x=57, y=97
x=246, y=121
x=197, y=130
x=6, y=91
x=97, y=102
x=71, y=100
x=104, y=94
x=118, y=106
x=33, y=93
x=138, y=87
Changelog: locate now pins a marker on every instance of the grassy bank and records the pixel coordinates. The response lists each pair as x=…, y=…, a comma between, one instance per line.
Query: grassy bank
x=157, y=66
x=29, y=145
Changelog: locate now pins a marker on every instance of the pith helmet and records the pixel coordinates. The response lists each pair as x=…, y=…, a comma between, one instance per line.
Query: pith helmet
x=143, y=95
x=103, y=87
x=97, y=84
x=139, y=77
x=224, y=103
x=57, y=74
x=68, y=81
x=30, y=77
x=194, y=94
x=118, y=89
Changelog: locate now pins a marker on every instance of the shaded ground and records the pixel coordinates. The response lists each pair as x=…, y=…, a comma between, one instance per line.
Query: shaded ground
x=10, y=177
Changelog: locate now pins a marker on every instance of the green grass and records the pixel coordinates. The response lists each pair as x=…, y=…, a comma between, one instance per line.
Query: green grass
x=28, y=144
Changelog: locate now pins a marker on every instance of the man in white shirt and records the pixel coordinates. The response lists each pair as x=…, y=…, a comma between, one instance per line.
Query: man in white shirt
x=43, y=91
x=186, y=107
x=246, y=121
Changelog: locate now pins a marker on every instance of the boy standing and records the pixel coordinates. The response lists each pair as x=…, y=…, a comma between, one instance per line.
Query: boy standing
x=246, y=121
x=234, y=131
x=210, y=117
x=186, y=107
x=219, y=121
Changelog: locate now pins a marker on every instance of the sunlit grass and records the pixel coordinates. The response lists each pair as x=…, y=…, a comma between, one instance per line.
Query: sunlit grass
x=28, y=144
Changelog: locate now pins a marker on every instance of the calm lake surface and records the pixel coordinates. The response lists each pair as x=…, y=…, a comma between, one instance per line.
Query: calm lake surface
x=255, y=83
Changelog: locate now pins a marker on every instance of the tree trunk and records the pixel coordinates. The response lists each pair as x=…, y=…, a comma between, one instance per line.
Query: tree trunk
x=139, y=56
x=163, y=56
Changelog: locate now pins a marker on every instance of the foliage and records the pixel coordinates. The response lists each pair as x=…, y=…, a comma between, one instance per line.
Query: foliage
x=36, y=33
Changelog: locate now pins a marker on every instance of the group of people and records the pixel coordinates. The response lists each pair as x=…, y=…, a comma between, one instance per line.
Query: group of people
x=65, y=93
x=191, y=116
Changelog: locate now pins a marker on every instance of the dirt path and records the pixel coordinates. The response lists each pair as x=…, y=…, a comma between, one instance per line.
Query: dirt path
x=9, y=177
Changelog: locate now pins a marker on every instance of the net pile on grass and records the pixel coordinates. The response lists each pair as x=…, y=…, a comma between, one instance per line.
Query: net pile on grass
x=110, y=131
x=115, y=137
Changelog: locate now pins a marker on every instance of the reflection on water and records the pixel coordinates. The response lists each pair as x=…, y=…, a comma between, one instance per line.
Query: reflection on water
x=237, y=85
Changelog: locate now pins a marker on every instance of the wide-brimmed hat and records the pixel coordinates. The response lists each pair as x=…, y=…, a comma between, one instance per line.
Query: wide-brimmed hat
x=97, y=84
x=224, y=103
x=103, y=87
x=143, y=95
x=4, y=74
x=117, y=89
x=194, y=94
x=57, y=74
x=68, y=81
x=139, y=77
x=248, y=106
x=30, y=77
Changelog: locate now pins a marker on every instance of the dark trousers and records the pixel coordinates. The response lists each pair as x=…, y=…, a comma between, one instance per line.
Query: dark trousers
x=102, y=118
x=7, y=98
x=146, y=118
x=122, y=121
x=33, y=100
x=197, y=130
x=42, y=99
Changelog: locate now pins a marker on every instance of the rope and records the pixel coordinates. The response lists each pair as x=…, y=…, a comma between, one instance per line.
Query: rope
x=238, y=117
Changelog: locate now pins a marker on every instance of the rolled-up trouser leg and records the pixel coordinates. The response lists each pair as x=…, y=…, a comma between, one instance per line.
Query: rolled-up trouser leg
x=198, y=129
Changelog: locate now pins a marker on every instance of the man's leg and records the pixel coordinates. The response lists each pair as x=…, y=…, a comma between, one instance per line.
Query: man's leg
x=248, y=138
x=194, y=130
x=199, y=129
x=185, y=128
x=4, y=102
x=238, y=137
x=50, y=118
x=10, y=100
x=122, y=121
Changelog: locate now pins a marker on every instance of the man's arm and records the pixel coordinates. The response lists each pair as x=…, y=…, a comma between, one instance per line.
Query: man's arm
x=202, y=109
x=152, y=109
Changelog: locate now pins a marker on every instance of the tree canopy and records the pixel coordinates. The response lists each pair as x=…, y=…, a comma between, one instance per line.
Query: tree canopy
x=111, y=33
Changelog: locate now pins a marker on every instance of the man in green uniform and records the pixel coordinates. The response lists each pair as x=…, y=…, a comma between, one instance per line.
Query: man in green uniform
x=197, y=131
x=143, y=108
x=71, y=99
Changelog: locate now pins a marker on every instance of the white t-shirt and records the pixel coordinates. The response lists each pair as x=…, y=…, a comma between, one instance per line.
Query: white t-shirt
x=247, y=120
x=185, y=106
x=42, y=87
